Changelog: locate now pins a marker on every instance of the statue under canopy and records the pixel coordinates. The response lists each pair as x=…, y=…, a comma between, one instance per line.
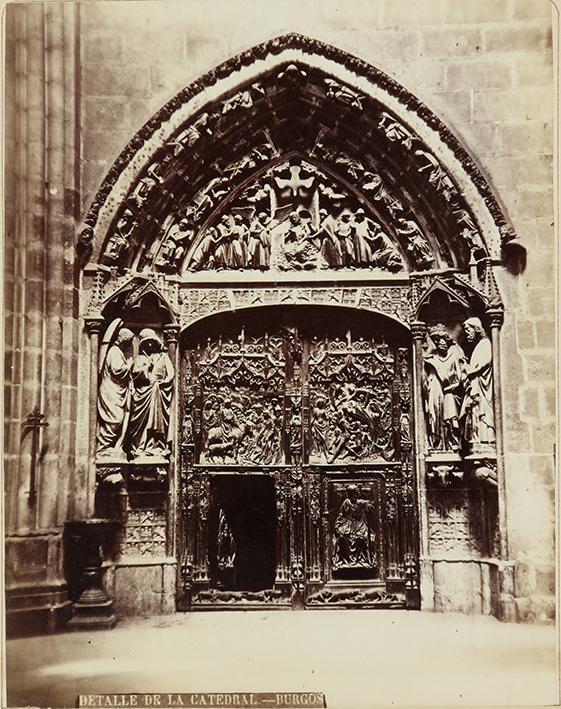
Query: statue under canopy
x=444, y=378
x=152, y=375
x=477, y=409
x=113, y=401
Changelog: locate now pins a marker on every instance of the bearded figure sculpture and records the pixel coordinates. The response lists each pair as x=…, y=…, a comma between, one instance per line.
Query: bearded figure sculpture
x=114, y=394
x=477, y=411
x=444, y=378
x=152, y=376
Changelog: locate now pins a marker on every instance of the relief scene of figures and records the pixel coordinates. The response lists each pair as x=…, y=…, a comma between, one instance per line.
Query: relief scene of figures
x=344, y=396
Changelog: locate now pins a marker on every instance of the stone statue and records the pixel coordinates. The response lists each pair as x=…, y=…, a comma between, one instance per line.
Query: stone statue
x=353, y=537
x=299, y=250
x=477, y=409
x=118, y=244
x=373, y=247
x=152, y=375
x=113, y=401
x=174, y=247
x=444, y=378
x=415, y=242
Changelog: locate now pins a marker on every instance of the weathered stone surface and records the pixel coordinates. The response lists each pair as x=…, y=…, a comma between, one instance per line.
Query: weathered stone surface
x=138, y=590
x=457, y=587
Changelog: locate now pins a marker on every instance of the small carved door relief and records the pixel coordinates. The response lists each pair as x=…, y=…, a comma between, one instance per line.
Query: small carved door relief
x=323, y=413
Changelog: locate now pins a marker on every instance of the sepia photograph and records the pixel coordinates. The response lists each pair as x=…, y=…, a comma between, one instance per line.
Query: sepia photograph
x=280, y=353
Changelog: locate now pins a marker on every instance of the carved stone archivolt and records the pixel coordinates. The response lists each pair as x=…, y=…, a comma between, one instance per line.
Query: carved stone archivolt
x=186, y=135
x=314, y=222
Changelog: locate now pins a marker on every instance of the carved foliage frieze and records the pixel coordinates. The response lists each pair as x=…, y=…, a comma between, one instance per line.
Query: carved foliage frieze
x=196, y=303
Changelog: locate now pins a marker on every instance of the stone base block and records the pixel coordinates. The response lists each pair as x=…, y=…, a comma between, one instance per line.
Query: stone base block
x=36, y=610
x=93, y=616
x=536, y=609
x=144, y=587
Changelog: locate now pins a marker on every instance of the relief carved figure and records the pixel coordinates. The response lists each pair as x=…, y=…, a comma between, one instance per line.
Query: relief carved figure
x=240, y=427
x=444, y=378
x=353, y=538
x=118, y=244
x=415, y=242
x=477, y=409
x=372, y=246
x=394, y=131
x=175, y=244
x=152, y=375
x=114, y=395
x=344, y=94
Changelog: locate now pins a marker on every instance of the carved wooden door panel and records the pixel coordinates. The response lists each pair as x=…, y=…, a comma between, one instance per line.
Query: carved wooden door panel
x=298, y=484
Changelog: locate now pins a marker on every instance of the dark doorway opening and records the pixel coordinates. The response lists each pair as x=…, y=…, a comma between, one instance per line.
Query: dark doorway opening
x=242, y=554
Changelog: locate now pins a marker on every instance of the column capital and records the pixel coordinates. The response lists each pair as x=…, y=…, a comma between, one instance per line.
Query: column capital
x=94, y=324
x=418, y=329
x=496, y=317
x=171, y=333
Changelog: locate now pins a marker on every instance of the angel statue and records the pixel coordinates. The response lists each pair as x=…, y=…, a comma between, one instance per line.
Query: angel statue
x=114, y=395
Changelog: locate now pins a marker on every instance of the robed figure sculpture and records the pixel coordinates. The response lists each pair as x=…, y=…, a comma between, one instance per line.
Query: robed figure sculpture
x=444, y=378
x=477, y=409
x=113, y=401
x=152, y=376
x=353, y=535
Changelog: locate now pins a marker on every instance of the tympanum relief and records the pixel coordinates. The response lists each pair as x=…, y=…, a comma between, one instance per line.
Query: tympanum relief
x=294, y=217
x=134, y=397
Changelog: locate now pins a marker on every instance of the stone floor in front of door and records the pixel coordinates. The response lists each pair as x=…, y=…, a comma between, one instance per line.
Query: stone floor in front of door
x=359, y=659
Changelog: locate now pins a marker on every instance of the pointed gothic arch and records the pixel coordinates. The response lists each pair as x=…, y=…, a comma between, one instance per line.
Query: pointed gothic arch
x=296, y=94
x=318, y=142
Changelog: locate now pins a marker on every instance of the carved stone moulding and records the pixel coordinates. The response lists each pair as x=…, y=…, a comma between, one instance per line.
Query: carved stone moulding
x=356, y=598
x=216, y=597
x=153, y=163
x=449, y=470
x=150, y=472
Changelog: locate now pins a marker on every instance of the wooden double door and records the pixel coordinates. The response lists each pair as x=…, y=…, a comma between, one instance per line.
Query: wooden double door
x=297, y=480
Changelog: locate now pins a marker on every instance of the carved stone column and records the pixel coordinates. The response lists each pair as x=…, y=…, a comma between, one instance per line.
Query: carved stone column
x=507, y=609
x=93, y=326
x=41, y=304
x=496, y=319
x=418, y=331
x=171, y=335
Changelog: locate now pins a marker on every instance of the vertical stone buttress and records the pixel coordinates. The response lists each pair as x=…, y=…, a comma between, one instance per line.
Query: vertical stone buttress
x=41, y=304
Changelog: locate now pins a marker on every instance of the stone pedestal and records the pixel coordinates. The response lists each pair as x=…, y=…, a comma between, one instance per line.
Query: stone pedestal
x=93, y=610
